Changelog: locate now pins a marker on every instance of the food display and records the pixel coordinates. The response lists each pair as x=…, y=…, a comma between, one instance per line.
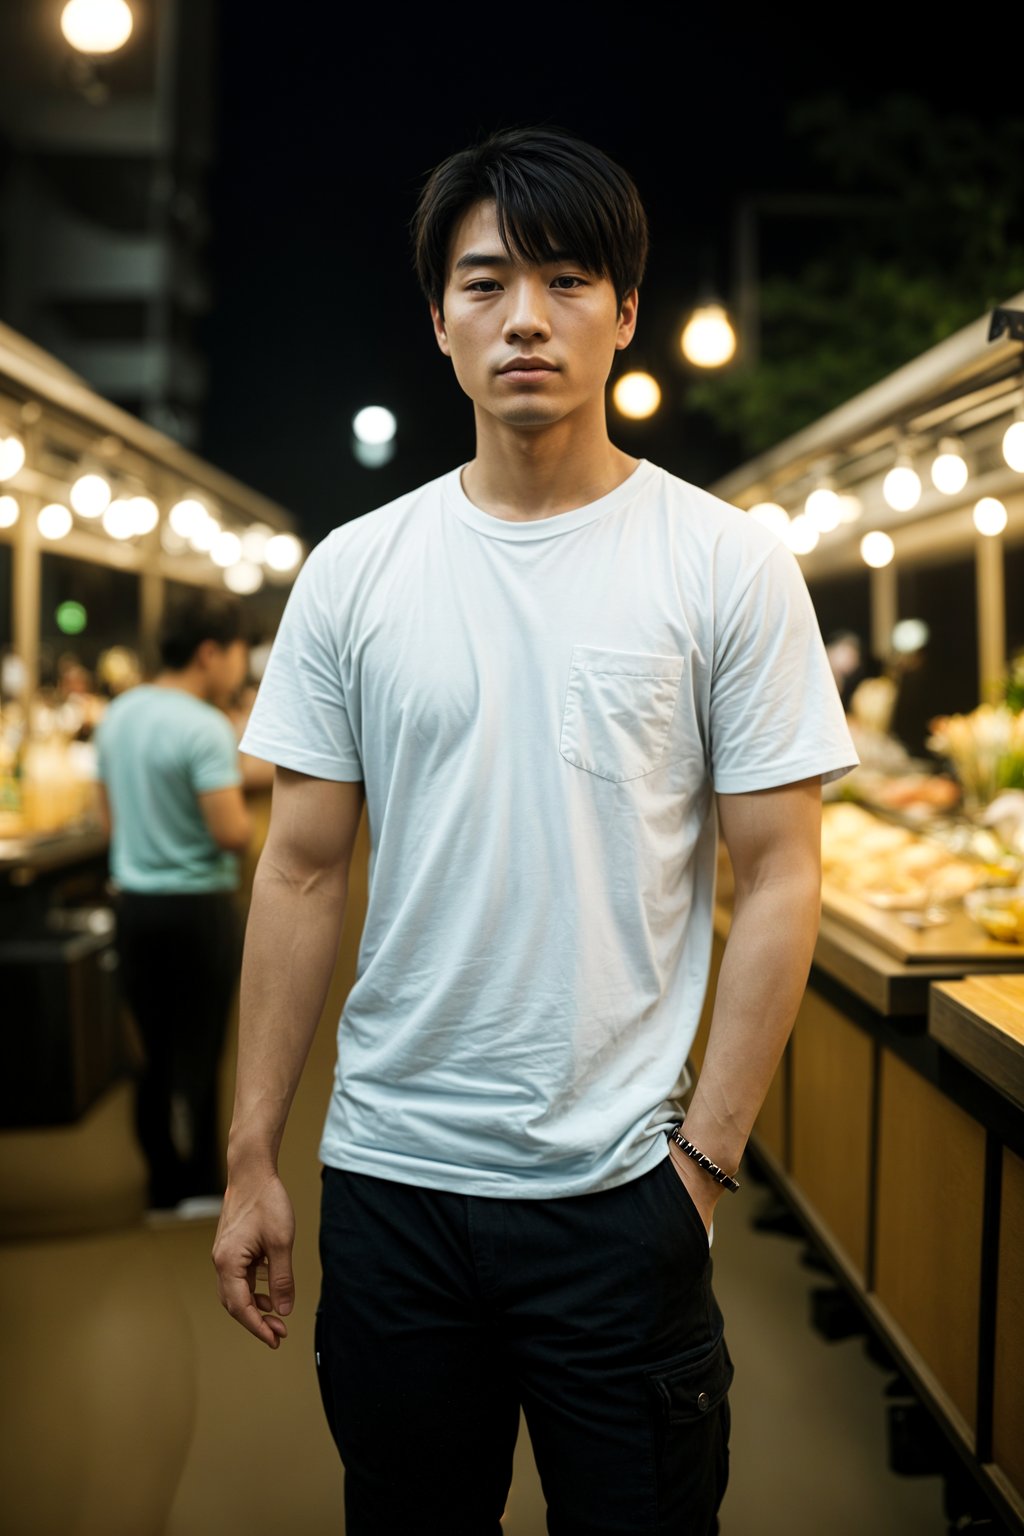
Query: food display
x=899, y=868
x=1000, y=913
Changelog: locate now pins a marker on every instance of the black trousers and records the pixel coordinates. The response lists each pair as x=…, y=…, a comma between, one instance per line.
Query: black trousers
x=440, y=1314
x=180, y=960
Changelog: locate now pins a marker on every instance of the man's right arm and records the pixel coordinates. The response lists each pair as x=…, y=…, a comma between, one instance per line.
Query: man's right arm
x=291, y=943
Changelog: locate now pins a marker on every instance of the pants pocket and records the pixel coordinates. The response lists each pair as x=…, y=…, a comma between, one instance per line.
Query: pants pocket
x=323, y=1374
x=668, y=1171
x=690, y=1425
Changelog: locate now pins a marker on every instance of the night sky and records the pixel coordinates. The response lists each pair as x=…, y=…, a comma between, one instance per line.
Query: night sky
x=326, y=134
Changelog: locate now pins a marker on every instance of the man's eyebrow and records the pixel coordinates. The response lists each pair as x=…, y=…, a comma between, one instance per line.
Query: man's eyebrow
x=490, y=259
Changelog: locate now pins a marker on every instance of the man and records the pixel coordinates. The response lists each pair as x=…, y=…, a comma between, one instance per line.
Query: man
x=543, y=672
x=171, y=800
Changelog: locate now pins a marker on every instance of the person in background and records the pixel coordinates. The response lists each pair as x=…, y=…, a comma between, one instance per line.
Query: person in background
x=845, y=657
x=171, y=799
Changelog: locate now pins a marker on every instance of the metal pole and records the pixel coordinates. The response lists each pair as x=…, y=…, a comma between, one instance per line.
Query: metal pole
x=990, y=578
x=884, y=609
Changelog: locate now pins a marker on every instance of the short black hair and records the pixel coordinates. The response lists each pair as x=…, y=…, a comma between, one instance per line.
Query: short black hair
x=196, y=617
x=552, y=192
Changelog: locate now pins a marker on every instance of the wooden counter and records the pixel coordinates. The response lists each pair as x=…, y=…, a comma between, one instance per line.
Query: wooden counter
x=981, y=1021
x=894, y=1132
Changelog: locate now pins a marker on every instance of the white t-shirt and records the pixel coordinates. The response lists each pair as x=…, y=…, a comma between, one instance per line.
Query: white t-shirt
x=540, y=712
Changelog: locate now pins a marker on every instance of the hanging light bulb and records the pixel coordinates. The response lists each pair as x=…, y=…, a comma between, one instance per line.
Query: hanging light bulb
x=801, y=535
x=949, y=467
x=90, y=495
x=12, y=456
x=96, y=26
x=54, y=521
x=709, y=337
x=9, y=511
x=822, y=507
x=637, y=395
x=255, y=539
x=204, y=534
x=902, y=485
x=243, y=577
x=877, y=549
x=989, y=516
x=1013, y=444
x=145, y=514
x=772, y=516
x=283, y=552
x=119, y=518
x=226, y=549
x=186, y=516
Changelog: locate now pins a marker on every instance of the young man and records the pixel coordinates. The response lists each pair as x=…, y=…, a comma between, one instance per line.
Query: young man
x=545, y=672
x=171, y=799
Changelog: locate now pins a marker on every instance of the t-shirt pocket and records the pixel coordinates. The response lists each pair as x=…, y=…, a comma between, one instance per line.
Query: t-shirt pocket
x=618, y=711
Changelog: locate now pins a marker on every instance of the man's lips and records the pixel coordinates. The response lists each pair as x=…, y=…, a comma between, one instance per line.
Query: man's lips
x=528, y=365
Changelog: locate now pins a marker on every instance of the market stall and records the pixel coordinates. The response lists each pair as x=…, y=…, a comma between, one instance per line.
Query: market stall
x=894, y=1127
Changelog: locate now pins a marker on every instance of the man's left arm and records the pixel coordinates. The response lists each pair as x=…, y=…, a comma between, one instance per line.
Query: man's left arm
x=101, y=806
x=774, y=842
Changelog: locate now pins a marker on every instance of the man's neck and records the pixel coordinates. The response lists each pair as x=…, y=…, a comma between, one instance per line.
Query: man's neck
x=524, y=475
x=189, y=680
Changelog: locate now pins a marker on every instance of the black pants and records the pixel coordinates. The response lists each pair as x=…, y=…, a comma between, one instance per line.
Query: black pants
x=180, y=959
x=440, y=1314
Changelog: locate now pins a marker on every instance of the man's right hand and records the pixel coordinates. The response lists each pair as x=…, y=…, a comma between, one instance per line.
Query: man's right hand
x=257, y=1227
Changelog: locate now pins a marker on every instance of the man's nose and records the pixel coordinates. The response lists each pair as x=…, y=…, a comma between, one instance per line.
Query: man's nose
x=527, y=312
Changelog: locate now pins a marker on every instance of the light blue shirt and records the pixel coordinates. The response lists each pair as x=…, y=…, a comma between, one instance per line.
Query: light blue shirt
x=158, y=750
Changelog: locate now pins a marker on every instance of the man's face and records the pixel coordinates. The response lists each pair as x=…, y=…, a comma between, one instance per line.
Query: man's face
x=497, y=309
x=225, y=667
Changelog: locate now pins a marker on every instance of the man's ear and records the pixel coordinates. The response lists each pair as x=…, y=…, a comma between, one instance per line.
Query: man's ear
x=627, y=319
x=440, y=334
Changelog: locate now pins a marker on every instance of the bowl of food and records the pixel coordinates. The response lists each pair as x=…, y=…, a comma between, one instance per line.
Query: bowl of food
x=999, y=912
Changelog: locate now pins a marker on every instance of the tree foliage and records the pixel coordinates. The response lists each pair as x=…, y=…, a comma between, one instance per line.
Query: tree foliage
x=874, y=292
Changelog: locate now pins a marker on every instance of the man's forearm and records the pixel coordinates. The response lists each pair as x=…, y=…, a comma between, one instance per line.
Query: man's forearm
x=762, y=978
x=291, y=942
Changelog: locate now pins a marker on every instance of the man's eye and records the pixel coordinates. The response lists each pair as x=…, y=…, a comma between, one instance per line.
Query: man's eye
x=566, y=278
x=483, y=285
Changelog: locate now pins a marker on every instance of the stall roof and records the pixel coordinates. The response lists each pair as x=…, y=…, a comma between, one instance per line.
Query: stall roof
x=965, y=364
x=35, y=375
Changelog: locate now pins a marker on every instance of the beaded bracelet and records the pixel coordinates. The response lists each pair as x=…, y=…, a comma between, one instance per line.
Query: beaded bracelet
x=703, y=1160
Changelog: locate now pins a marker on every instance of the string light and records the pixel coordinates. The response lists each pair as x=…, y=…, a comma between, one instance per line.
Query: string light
x=243, y=578
x=12, y=456
x=902, y=485
x=772, y=516
x=9, y=511
x=877, y=549
x=90, y=495
x=989, y=516
x=186, y=516
x=226, y=549
x=949, y=468
x=1013, y=445
x=822, y=507
x=119, y=518
x=54, y=521
x=283, y=552
x=145, y=514
x=801, y=535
